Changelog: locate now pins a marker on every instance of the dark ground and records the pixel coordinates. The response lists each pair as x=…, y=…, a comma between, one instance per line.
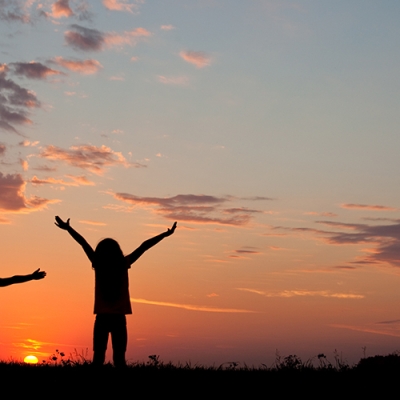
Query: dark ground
x=371, y=377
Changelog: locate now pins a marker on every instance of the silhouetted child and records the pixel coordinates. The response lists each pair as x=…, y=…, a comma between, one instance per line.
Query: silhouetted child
x=112, y=301
x=22, y=278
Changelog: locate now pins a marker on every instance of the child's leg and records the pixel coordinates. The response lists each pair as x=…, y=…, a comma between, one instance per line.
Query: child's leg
x=100, y=338
x=119, y=339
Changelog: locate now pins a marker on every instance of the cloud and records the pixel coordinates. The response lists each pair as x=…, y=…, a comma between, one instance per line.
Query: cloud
x=191, y=208
x=2, y=150
x=128, y=37
x=91, y=158
x=198, y=58
x=244, y=251
x=367, y=207
x=33, y=70
x=84, y=67
x=367, y=330
x=61, y=9
x=14, y=11
x=12, y=196
x=76, y=181
x=120, y=5
x=15, y=101
x=85, y=39
x=96, y=223
x=383, y=239
x=321, y=214
x=167, y=27
x=177, y=80
x=240, y=210
x=394, y=321
x=303, y=293
x=192, y=307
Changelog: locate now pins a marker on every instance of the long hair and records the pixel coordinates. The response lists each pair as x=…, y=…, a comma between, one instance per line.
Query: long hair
x=110, y=265
x=108, y=256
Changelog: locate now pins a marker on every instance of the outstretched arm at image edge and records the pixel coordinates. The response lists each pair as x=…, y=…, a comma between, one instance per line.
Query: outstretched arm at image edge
x=22, y=278
x=79, y=238
x=146, y=245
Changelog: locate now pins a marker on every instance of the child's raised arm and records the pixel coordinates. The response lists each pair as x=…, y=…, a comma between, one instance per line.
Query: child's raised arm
x=80, y=239
x=22, y=278
x=149, y=243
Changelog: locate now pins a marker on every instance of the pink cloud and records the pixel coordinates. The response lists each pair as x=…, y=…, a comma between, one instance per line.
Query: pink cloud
x=198, y=58
x=91, y=158
x=61, y=9
x=96, y=223
x=84, y=67
x=177, y=80
x=128, y=37
x=12, y=195
x=76, y=181
x=367, y=207
x=119, y=5
x=167, y=27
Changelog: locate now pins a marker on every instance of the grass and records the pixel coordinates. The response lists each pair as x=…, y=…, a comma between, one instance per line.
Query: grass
x=287, y=376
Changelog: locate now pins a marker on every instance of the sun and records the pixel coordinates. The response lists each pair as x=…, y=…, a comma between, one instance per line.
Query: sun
x=31, y=360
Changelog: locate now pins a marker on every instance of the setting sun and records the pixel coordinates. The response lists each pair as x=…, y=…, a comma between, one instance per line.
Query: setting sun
x=31, y=360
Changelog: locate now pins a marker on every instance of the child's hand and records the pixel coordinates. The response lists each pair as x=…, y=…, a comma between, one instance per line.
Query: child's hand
x=172, y=230
x=38, y=274
x=61, y=224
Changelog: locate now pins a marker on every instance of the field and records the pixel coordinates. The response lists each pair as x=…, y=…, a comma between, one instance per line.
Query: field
x=289, y=377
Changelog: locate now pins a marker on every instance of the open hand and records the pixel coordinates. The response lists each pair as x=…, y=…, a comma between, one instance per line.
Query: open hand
x=61, y=224
x=38, y=274
x=172, y=230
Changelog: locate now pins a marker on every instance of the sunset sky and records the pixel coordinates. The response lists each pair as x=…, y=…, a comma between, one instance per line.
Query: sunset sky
x=269, y=129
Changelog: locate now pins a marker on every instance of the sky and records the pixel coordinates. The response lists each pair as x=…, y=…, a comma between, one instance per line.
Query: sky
x=267, y=129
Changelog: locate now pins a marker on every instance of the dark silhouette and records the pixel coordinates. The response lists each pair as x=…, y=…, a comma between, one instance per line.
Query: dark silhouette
x=22, y=278
x=112, y=301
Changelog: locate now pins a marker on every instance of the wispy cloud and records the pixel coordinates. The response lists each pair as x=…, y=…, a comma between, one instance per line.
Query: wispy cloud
x=198, y=58
x=85, y=39
x=372, y=207
x=15, y=11
x=304, y=293
x=321, y=214
x=88, y=157
x=12, y=195
x=76, y=181
x=383, y=239
x=121, y=5
x=84, y=67
x=189, y=207
x=191, y=307
x=96, y=223
x=15, y=102
x=367, y=330
x=167, y=27
x=173, y=80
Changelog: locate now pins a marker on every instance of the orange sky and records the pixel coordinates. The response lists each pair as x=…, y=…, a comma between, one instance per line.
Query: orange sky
x=268, y=130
